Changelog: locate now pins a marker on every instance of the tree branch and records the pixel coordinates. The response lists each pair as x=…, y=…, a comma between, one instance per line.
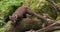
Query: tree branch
x=50, y=27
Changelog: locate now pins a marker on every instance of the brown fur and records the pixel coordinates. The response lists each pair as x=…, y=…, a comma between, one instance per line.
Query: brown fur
x=20, y=13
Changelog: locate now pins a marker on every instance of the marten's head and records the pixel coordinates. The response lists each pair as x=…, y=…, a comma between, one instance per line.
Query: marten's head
x=13, y=18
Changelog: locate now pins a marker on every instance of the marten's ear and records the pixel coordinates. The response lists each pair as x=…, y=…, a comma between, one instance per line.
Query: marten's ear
x=10, y=17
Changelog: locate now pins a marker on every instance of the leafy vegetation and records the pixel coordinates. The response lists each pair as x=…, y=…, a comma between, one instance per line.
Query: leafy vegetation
x=39, y=6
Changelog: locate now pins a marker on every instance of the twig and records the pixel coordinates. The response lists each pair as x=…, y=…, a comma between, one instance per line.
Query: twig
x=50, y=27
